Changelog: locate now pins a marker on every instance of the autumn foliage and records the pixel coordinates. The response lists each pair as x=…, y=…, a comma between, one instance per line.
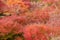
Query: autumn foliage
x=29, y=19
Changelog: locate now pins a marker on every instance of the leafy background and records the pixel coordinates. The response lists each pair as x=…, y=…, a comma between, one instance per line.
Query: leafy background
x=29, y=19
